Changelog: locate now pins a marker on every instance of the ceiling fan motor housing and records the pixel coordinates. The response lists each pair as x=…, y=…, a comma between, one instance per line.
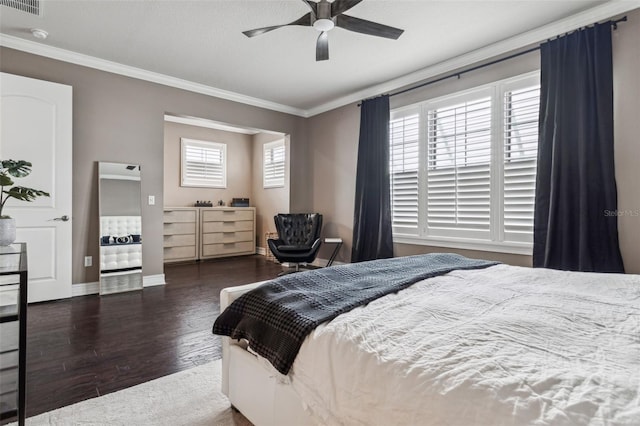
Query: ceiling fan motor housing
x=323, y=20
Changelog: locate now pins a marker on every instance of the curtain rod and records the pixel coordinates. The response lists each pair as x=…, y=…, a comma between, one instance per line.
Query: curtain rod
x=477, y=67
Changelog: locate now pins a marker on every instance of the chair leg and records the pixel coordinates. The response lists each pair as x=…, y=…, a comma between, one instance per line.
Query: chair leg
x=297, y=269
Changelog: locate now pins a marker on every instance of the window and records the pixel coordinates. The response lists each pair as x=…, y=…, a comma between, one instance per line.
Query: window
x=404, y=170
x=273, y=164
x=463, y=168
x=203, y=163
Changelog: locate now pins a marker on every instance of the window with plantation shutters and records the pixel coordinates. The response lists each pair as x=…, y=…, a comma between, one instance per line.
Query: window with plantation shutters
x=520, y=155
x=403, y=167
x=273, y=164
x=463, y=168
x=459, y=167
x=203, y=163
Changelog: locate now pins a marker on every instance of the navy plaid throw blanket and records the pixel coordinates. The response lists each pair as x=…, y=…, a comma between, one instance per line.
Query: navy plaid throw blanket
x=276, y=317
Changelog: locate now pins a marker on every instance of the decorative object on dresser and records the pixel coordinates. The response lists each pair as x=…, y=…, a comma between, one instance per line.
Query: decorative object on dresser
x=240, y=202
x=203, y=204
x=14, y=169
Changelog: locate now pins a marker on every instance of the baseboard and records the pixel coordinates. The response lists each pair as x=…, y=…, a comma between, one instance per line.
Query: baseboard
x=153, y=280
x=261, y=251
x=85, y=289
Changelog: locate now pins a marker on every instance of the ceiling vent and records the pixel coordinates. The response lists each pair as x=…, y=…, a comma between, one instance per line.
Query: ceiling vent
x=29, y=6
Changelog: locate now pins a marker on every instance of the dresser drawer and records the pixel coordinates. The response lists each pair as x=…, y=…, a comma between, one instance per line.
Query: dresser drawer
x=180, y=240
x=180, y=253
x=177, y=216
x=226, y=215
x=243, y=247
x=227, y=237
x=233, y=226
x=179, y=228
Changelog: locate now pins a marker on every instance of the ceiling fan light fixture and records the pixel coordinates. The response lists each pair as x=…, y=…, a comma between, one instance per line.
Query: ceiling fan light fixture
x=324, y=24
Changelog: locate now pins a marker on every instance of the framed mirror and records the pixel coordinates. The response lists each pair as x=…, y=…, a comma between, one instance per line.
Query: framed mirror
x=120, y=207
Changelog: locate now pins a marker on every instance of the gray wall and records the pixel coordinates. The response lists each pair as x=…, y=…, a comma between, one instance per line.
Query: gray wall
x=239, y=148
x=121, y=119
x=268, y=201
x=626, y=98
x=333, y=140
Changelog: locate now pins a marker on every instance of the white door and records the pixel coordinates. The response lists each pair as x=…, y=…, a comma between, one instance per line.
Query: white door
x=35, y=126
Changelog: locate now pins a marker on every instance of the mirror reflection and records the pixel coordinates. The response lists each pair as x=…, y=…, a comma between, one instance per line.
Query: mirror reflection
x=120, y=227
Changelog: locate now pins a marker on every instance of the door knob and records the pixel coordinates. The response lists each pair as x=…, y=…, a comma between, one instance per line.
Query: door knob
x=64, y=218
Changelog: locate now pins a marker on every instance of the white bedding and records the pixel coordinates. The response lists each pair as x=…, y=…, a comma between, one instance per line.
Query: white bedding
x=499, y=346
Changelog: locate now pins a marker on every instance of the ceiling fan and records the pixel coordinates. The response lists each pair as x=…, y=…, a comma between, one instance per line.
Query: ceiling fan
x=326, y=15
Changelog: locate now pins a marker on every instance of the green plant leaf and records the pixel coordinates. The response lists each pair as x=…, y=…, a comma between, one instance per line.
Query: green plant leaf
x=16, y=168
x=5, y=180
x=25, y=194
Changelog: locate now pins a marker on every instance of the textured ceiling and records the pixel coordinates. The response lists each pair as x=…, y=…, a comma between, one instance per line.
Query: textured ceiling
x=201, y=41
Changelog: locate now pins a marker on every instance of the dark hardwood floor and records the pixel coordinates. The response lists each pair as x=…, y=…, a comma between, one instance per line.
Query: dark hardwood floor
x=88, y=346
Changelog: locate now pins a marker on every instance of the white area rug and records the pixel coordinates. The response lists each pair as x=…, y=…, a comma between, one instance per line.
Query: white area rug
x=190, y=397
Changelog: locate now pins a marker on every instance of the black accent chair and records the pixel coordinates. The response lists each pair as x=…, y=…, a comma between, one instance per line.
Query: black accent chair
x=298, y=238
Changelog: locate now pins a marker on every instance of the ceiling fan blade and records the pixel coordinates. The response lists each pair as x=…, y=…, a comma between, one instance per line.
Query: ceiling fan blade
x=341, y=6
x=304, y=21
x=322, y=47
x=367, y=27
x=312, y=5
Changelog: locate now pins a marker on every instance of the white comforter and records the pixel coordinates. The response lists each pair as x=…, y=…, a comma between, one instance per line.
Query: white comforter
x=499, y=346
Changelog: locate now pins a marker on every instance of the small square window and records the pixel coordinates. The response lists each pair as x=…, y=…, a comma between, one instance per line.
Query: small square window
x=273, y=164
x=203, y=163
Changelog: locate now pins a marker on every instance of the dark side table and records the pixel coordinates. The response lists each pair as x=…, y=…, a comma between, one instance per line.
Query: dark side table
x=13, y=330
x=338, y=243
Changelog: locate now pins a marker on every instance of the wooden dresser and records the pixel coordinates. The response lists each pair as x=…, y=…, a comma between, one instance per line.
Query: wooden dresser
x=192, y=233
x=181, y=233
x=227, y=231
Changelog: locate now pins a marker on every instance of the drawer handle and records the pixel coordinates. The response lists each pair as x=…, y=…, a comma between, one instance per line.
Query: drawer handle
x=229, y=233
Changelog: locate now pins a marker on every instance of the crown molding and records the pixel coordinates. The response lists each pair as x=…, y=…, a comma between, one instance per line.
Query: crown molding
x=139, y=73
x=587, y=17
x=209, y=124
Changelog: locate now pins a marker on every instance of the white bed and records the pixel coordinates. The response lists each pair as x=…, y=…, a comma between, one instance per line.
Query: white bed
x=498, y=346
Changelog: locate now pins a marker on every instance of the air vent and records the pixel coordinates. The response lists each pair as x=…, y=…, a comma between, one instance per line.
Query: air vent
x=29, y=6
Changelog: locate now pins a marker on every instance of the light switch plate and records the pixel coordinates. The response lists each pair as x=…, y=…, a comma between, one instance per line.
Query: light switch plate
x=88, y=261
x=152, y=200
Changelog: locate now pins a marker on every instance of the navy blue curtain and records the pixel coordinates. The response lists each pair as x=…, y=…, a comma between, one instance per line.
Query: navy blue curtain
x=575, y=225
x=372, y=238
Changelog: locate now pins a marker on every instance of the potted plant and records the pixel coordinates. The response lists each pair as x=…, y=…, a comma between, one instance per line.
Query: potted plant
x=13, y=169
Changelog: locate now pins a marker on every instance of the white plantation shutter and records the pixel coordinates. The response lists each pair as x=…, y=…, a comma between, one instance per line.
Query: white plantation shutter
x=463, y=168
x=273, y=164
x=520, y=154
x=203, y=163
x=403, y=167
x=458, y=172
